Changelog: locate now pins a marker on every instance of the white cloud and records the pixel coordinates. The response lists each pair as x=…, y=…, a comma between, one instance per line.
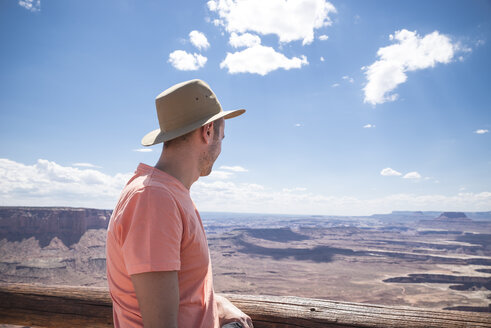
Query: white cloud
x=250, y=197
x=219, y=175
x=323, y=37
x=322, y=59
x=212, y=5
x=290, y=20
x=389, y=172
x=235, y=168
x=32, y=5
x=349, y=79
x=412, y=175
x=463, y=48
x=368, y=126
x=184, y=61
x=335, y=85
x=260, y=60
x=298, y=125
x=199, y=40
x=294, y=189
x=244, y=40
x=47, y=183
x=410, y=52
x=85, y=165
x=143, y=150
x=481, y=131
x=431, y=179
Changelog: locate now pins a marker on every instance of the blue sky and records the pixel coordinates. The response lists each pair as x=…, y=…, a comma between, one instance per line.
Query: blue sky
x=353, y=107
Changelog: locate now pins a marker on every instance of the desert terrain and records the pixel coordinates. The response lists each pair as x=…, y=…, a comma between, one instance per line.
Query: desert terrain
x=422, y=259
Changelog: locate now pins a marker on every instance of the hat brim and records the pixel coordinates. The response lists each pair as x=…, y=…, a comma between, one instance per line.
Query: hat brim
x=157, y=136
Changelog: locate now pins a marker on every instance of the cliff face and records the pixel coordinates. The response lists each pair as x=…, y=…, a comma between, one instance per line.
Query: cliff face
x=45, y=223
x=453, y=216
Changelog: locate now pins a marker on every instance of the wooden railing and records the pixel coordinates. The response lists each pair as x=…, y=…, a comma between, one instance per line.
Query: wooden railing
x=73, y=306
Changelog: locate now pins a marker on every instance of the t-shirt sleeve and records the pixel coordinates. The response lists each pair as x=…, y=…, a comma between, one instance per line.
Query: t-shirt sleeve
x=151, y=232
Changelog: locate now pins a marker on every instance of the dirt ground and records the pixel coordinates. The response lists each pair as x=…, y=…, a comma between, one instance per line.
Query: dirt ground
x=402, y=265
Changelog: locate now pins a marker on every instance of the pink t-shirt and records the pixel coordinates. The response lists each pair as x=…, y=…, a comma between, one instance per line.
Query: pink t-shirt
x=156, y=227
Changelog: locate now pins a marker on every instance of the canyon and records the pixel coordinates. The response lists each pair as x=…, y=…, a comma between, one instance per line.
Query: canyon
x=45, y=223
x=423, y=259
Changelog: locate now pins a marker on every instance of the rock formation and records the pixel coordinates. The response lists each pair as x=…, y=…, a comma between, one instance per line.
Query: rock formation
x=45, y=223
x=453, y=216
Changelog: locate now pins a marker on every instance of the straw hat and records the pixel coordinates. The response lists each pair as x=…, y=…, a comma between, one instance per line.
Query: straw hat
x=183, y=108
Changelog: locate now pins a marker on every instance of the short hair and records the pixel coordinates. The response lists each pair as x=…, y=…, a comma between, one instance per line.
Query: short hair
x=216, y=127
x=216, y=131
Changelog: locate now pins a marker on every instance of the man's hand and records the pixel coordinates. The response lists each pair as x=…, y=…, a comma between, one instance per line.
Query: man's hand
x=227, y=312
x=158, y=298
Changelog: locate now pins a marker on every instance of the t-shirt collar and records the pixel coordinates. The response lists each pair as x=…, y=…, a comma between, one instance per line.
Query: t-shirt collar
x=161, y=175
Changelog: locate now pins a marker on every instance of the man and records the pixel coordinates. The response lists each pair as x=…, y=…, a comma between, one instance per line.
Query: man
x=158, y=262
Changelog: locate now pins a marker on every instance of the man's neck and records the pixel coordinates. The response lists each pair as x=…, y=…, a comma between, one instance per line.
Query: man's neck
x=180, y=165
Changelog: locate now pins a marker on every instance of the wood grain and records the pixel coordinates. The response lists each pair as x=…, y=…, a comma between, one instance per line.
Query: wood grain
x=75, y=306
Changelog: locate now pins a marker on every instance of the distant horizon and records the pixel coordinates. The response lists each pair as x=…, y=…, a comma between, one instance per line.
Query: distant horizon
x=254, y=213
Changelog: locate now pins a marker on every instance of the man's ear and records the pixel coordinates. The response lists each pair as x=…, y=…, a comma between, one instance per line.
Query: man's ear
x=207, y=132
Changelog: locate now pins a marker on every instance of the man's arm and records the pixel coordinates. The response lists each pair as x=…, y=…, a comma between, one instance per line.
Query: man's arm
x=227, y=312
x=158, y=298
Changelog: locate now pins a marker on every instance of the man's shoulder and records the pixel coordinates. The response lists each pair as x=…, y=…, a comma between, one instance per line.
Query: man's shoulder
x=152, y=188
x=146, y=185
x=138, y=198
